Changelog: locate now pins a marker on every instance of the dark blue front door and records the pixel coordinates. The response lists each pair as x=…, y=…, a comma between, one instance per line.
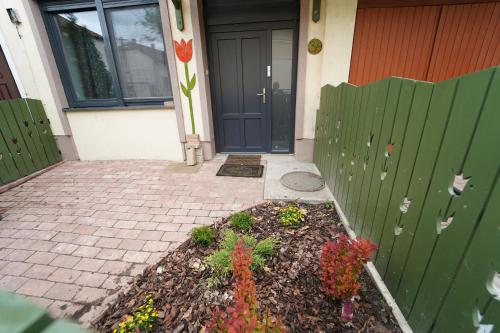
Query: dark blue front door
x=242, y=97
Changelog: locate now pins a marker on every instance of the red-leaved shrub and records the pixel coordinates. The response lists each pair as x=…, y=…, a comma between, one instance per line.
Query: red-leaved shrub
x=243, y=316
x=341, y=264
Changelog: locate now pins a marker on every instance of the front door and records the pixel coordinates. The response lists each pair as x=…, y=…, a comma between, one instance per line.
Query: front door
x=241, y=93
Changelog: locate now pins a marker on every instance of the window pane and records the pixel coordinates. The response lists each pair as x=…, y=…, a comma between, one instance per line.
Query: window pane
x=282, y=50
x=139, y=51
x=83, y=47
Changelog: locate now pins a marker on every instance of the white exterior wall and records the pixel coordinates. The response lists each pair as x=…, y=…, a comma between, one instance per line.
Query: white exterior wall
x=331, y=66
x=128, y=134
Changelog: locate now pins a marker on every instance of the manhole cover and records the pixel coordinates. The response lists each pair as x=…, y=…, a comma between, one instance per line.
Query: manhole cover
x=302, y=181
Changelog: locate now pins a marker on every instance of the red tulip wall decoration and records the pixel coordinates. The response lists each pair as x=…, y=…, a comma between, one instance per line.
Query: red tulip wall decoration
x=184, y=52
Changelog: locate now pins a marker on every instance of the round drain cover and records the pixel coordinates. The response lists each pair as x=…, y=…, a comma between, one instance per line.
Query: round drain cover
x=302, y=181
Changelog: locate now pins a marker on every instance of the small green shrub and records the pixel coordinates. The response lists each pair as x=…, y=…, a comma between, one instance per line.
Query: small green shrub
x=142, y=321
x=329, y=205
x=220, y=260
x=242, y=221
x=291, y=215
x=202, y=235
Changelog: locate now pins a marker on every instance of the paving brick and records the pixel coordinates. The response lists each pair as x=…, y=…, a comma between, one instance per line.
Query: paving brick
x=183, y=219
x=89, y=294
x=174, y=236
x=41, y=257
x=65, y=261
x=62, y=309
x=64, y=248
x=162, y=218
x=64, y=275
x=156, y=246
x=89, y=279
x=125, y=224
x=12, y=283
x=146, y=225
x=15, y=268
x=110, y=254
x=86, y=251
x=42, y=302
x=168, y=227
x=198, y=212
x=127, y=234
x=132, y=244
x=91, y=265
x=178, y=212
x=105, y=232
x=85, y=229
x=86, y=240
x=62, y=291
x=136, y=256
x=204, y=220
x=150, y=235
x=18, y=255
x=110, y=243
x=34, y=287
x=39, y=271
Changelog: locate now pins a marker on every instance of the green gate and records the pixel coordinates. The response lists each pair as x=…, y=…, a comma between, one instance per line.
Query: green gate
x=26, y=141
x=414, y=166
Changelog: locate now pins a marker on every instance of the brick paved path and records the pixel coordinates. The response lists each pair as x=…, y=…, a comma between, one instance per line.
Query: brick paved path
x=70, y=238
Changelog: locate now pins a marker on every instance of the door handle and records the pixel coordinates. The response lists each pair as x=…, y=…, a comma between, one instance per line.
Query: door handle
x=263, y=94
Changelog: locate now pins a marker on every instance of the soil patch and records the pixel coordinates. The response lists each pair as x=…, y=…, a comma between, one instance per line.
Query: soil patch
x=290, y=288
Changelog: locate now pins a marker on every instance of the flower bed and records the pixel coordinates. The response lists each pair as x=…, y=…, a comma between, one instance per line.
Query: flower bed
x=288, y=282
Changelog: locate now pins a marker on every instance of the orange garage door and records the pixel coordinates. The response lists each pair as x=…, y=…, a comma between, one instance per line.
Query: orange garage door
x=430, y=42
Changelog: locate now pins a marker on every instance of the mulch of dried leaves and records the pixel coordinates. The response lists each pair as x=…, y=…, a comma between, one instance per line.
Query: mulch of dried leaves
x=290, y=288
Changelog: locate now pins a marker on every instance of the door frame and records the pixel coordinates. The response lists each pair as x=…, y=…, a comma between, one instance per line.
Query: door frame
x=267, y=27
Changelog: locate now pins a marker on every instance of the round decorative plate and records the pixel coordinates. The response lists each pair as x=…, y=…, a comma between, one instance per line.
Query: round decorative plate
x=315, y=46
x=302, y=181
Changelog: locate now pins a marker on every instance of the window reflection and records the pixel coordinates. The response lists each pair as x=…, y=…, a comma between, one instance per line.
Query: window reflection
x=83, y=46
x=137, y=36
x=282, y=50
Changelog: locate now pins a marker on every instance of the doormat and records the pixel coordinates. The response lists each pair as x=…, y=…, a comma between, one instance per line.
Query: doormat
x=241, y=166
x=243, y=159
x=235, y=170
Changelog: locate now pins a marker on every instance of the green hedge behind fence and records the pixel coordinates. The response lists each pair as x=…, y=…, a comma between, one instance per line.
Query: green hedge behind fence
x=26, y=141
x=414, y=166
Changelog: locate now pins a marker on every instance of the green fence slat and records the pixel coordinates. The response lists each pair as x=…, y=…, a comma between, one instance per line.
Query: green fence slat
x=376, y=214
x=387, y=219
x=44, y=130
x=468, y=293
x=490, y=315
x=373, y=150
x=22, y=124
x=481, y=166
x=361, y=148
x=439, y=109
x=395, y=119
x=8, y=169
x=15, y=141
x=64, y=326
x=337, y=131
x=340, y=174
x=29, y=132
x=333, y=134
x=469, y=100
x=19, y=316
x=353, y=148
x=376, y=109
x=350, y=146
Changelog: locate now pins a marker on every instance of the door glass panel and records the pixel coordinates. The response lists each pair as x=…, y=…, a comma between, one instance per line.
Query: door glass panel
x=282, y=50
x=137, y=37
x=83, y=47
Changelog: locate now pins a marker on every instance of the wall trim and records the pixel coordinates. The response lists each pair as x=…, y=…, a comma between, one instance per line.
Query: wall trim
x=172, y=68
x=301, y=71
x=12, y=66
x=201, y=57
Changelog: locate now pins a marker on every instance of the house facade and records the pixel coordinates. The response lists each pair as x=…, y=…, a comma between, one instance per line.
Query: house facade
x=134, y=79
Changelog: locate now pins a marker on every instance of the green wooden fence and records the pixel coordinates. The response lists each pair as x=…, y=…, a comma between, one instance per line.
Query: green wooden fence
x=414, y=167
x=17, y=315
x=26, y=140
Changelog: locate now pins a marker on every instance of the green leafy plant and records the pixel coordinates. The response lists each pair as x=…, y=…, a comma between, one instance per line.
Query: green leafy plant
x=220, y=260
x=242, y=221
x=142, y=321
x=202, y=235
x=329, y=205
x=291, y=215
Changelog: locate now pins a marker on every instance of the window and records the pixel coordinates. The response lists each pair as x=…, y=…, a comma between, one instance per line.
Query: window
x=109, y=53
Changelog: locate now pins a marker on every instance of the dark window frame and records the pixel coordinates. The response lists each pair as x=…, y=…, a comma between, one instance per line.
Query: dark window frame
x=49, y=8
